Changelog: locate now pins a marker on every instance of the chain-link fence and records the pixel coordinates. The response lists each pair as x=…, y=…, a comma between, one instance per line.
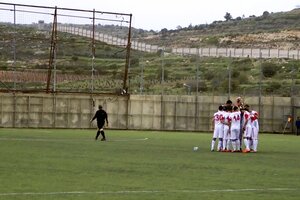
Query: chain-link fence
x=196, y=76
x=36, y=55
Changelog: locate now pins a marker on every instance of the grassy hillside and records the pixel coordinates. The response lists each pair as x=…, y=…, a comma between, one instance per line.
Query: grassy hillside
x=270, y=30
x=156, y=73
x=238, y=33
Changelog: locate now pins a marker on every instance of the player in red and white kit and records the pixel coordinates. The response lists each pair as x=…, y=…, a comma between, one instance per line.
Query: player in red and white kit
x=226, y=138
x=240, y=105
x=218, y=129
x=235, y=126
x=255, y=129
x=247, y=127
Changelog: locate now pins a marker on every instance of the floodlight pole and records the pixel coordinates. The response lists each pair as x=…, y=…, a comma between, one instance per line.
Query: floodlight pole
x=197, y=91
x=54, y=70
x=52, y=49
x=229, y=77
x=14, y=48
x=162, y=81
x=293, y=79
x=127, y=62
x=93, y=53
x=197, y=73
x=142, y=77
x=260, y=83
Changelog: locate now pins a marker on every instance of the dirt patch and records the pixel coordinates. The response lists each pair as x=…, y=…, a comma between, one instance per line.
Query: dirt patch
x=282, y=40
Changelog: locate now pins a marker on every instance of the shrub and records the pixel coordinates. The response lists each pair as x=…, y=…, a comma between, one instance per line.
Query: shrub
x=74, y=58
x=269, y=69
x=212, y=41
x=193, y=59
x=243, y=78
x=235, y=73
x=107, y=48
x=273, y=86
x=209, y=75
x=134, y=62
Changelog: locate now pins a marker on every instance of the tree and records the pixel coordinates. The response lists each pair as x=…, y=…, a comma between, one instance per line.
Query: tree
x=164, y=32
x=228, y=16
x=238, y=18
x=269, y=69
x=266, y=14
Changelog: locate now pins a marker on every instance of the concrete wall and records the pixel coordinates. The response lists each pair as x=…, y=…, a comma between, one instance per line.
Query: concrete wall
x=58, y=111
x=210, y=52
x=149, y=112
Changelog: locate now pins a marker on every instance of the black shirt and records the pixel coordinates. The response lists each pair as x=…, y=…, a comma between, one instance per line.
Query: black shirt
x=298, y=123
x=101, y=116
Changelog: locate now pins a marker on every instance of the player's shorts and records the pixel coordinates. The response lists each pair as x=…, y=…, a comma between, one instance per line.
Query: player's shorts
x=218, y=132
x=248, y=132
x=100, y=124
x=226, y=132
x=235, y=133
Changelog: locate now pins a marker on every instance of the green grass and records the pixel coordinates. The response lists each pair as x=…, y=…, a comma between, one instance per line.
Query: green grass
x=55, y=164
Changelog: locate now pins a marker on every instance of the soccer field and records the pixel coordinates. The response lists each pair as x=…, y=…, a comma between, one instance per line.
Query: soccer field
x=70, y=164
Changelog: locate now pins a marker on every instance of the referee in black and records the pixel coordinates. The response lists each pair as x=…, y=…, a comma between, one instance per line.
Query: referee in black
x=101, y=116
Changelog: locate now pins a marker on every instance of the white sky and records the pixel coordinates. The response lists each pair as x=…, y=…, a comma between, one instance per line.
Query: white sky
x=159, y=14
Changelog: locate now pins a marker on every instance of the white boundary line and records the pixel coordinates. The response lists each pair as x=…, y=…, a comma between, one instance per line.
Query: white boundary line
x=128, y=140
x=145, y=191
x=64, y=139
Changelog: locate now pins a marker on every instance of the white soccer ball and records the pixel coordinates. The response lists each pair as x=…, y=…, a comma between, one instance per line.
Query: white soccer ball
x=195, y=148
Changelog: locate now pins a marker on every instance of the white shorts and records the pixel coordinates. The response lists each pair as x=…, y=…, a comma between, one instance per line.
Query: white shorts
x=248, y=132
x=235, y=133
x=226, y=132
x=218, y=132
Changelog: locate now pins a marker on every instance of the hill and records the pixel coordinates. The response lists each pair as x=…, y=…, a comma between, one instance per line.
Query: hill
x=156, y=73
x=271, y=30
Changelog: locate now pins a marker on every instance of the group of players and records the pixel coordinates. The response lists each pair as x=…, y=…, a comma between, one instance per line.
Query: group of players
x=236, y=128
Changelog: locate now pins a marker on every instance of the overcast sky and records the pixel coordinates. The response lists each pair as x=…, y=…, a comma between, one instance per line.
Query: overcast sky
x=159, y=14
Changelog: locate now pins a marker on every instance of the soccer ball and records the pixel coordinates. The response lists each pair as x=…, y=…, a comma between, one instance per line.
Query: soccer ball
x=195, y=148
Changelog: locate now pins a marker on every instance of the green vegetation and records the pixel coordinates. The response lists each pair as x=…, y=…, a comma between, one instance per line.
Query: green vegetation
x=233, y=32
x=152, y=73
x=69, y=164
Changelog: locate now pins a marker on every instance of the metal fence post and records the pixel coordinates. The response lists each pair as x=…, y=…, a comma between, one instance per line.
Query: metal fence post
x=260, y=85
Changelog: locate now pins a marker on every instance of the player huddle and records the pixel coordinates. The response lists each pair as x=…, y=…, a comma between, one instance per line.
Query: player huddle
x=235, y=127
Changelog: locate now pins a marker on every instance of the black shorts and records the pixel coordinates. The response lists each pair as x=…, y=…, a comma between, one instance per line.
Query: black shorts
x=100, y=125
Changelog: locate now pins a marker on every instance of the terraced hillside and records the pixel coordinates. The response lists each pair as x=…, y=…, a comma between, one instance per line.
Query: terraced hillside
x=156, y=73
x=270, y=30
